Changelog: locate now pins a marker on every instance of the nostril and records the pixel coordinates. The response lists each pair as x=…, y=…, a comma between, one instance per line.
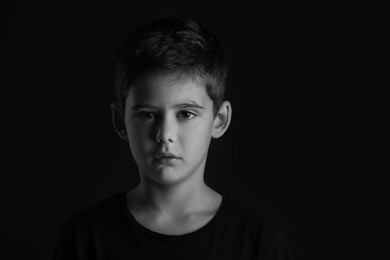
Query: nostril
x=164, y=140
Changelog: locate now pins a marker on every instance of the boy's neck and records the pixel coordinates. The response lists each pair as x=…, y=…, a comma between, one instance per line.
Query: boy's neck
x=176, y=199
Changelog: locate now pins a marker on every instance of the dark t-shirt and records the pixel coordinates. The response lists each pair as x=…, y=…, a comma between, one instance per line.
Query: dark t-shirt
x=108, y=231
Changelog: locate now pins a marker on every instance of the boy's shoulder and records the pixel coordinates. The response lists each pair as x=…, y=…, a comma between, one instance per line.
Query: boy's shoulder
x=255, y=226
x=240, y=210
x=246, y=217
x=102, y=211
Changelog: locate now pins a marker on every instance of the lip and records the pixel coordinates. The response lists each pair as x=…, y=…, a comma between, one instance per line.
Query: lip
x=161, y=156
x=166, y=158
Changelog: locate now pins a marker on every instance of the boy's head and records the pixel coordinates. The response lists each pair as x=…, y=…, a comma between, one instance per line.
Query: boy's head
x=173, y=45
x=170, y=86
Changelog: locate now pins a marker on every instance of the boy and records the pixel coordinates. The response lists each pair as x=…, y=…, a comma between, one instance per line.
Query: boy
x=170, y=80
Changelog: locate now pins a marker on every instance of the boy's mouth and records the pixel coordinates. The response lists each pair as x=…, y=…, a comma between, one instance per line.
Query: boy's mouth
x=166, y=158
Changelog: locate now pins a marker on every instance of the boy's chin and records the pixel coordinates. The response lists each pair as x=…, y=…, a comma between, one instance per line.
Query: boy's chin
x=168, y=176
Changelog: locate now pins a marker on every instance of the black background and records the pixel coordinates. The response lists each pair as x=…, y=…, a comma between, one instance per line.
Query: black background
x=287, y=151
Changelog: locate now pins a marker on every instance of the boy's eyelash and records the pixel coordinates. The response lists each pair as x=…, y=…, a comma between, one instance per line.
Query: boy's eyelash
x=146, y=115
x=192, y=114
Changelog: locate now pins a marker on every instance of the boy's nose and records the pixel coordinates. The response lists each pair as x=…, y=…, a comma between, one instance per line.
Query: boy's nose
x=166, y=132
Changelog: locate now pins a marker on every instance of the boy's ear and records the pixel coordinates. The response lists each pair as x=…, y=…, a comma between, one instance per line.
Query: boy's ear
x=222, y=120
x=118, y=123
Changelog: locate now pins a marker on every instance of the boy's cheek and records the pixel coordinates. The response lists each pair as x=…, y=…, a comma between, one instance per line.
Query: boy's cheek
x=139, y=131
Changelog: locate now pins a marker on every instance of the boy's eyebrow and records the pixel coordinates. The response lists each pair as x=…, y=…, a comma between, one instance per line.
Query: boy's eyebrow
x=191, y=104
x=141, y=106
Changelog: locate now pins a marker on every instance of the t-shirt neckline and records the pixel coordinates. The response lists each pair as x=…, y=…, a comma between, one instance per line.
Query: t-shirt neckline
x=209, y=225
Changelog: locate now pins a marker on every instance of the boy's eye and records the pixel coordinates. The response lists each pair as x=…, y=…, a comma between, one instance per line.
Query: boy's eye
x=185, y=115
x=145, y=115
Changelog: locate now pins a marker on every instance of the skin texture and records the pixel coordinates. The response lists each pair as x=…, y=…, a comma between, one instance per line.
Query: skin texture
x=170, y=115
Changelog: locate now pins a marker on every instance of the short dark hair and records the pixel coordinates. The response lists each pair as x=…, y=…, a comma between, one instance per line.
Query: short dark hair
x=171, y=45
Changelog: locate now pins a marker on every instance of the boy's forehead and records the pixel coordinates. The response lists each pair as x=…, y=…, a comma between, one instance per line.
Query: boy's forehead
x=173, y=79
x=168, y=87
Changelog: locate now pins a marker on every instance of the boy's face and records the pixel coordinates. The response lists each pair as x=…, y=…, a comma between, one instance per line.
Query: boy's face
x=169, y=122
